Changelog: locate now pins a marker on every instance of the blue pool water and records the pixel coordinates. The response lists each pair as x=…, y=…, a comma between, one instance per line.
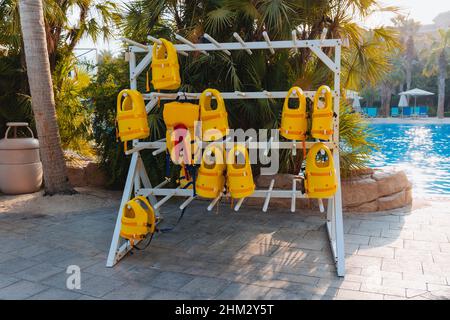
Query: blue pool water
x=423, y=151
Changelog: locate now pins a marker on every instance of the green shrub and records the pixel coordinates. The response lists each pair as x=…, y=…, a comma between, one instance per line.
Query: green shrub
x=112, y=77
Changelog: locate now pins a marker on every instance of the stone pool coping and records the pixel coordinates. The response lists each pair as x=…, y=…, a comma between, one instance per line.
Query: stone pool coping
x=390, y=120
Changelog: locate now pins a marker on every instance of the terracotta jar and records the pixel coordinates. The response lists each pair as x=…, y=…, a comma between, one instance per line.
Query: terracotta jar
x=20, y=164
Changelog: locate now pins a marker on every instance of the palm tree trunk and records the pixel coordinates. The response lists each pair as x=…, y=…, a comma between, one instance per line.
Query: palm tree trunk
x=42, y=99
x=441, y=84
x=386, y=95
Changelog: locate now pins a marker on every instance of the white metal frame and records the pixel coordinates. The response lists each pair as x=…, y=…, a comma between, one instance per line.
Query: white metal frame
x=139, y=183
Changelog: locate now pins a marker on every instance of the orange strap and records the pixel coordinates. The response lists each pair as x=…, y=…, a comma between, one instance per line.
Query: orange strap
x=130, y=132
x=132, y=116
x=294, y=115
x=209, y=174
x=165, y=79
x=205, y=188
x=236, y=174
x=327, y=132
x=322, y=115
x=241, y=190
x=131, y=236
x=163, y=65
x=134, y=224
x=320, y=174
x=212, y=116
x=293, y=131
x=323, y=189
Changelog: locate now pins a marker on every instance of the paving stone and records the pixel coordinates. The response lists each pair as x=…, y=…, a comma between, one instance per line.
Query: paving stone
x=171, y=280
x=344, y=294
x=422, y=245
x=386, y=242
x=413, y=255
x=16, y=265
x=33, y=250
x=426, y=278
x=398, y=234
x=54, y=256
x=6, y=280
x=38, y=272
x=365, y=232
x=56, y=294
x=357, y=239
x=406, y=284
x=59, y=280
x=382, y=252
x=100, y=268
x=258, y=249
x=340, y=284
x=383, y=289
x=239, y=291
x=376, y=271
x=204, y=286
x=430, y=236
x=162, y=294
x=411, y=293
x=4, y=257
x=401, y=266
x=308, y=244
x=14, y=244
x=21, y=290
x=280, y=294
x=362, y=261
x=99, y=286
x=131, y=291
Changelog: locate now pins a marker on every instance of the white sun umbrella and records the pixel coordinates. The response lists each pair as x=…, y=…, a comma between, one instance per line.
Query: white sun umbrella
x=416, y=93
x=356, y=105
x=403, y=102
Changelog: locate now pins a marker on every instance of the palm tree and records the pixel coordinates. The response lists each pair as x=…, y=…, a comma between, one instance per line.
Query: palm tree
x=408, y=29
x=438, y=64
x=42, y=99
x=95, y=18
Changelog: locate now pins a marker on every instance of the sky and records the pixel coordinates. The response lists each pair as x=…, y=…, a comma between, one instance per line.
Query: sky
x=423, y=11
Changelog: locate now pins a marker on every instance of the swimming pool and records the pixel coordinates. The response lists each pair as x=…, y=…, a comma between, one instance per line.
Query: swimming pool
x=422, y=150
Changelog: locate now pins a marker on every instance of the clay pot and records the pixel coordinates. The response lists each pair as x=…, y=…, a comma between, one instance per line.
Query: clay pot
x=20, y=164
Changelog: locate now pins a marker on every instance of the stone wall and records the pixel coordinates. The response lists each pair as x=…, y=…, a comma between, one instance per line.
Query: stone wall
x=89, y=175
x=375, y=191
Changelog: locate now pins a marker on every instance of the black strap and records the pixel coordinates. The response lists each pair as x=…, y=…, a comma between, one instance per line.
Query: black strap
x=168, y=229
x=147, y=244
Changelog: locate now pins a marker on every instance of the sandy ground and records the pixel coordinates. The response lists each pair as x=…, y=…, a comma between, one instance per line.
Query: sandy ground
x=86, y=199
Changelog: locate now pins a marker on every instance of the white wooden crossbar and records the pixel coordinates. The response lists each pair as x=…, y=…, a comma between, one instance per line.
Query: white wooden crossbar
x=138, y=182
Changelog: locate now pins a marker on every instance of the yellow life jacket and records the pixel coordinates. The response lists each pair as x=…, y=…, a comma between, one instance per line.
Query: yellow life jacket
x=214, y=122
x=180, y=118
x=322, y=118
x=320, y=177
x=165, y=67
x=239, y=175
x=293, y=121
x=138, y=219
x=131, y=116
x=211, y=179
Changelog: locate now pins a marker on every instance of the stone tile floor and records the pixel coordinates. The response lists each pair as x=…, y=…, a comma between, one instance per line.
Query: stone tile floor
x=403, y=254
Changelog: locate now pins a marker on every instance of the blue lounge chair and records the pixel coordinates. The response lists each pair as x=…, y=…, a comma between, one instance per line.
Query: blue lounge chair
x=372, y=112
x=423, y=111
x=394, y=112
x=407, y=111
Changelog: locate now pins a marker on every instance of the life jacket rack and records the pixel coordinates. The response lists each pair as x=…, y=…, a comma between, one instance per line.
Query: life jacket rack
x=138, y=183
